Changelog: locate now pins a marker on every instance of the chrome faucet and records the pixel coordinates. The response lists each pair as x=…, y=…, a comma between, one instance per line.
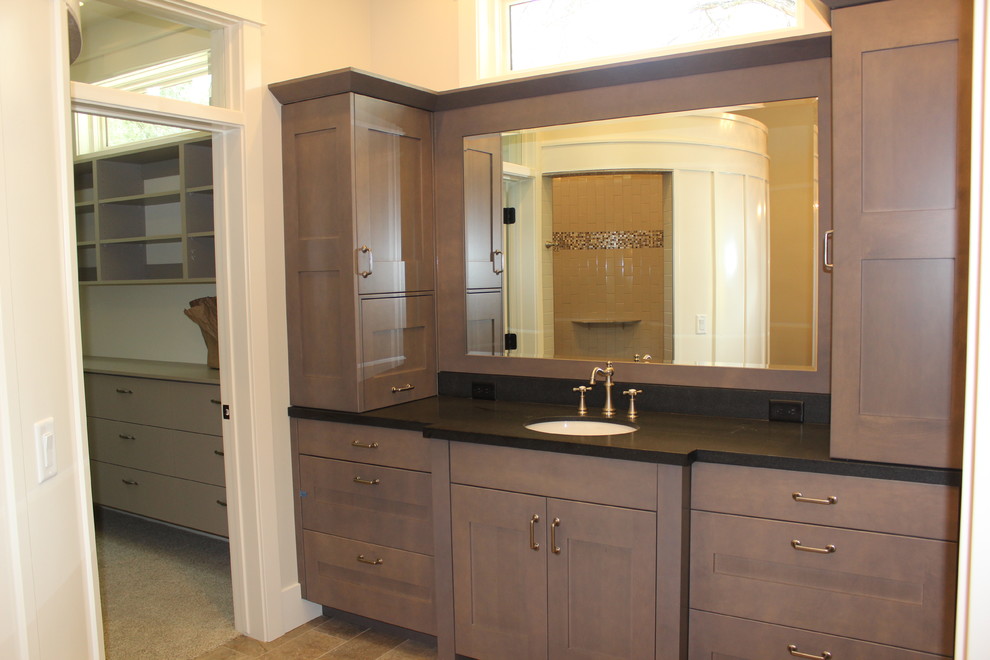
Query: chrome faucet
x=607, y=372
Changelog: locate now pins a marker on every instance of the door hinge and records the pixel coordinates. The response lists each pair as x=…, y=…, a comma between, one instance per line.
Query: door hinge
x=510, y=341
x=508, y=216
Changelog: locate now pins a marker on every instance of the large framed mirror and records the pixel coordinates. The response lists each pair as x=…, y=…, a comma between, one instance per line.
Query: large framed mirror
x=679, y=238
x=673, y=226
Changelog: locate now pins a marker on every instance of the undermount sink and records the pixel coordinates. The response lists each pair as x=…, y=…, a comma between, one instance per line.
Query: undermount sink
x=581, y=427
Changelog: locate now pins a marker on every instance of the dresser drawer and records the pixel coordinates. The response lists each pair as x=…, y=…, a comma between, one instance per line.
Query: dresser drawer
x=879, y=505
x=169, y=404
x=387, y=506
x=566, y=476
x=715, y=636
x=895, y=590
x=390, y=585
x=364, y=444
x=179, y=501
x=175, y=453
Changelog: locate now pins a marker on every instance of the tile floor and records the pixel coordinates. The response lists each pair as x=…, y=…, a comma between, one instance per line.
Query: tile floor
x=327, y=639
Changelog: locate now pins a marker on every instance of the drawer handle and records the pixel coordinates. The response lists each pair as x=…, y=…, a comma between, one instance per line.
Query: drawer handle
x=364, y=445
x=218, y=452
x=553, y=536
x=533, y=545
x=222, y=503
x=404, y=388
x=827, y=550
x=374, y=562
x=792, y=649
x=798, y=497
x=124, y=436
x=130, y=482
x=367, y=482
x=122, y=390
x=216, y=401
x=364, y=249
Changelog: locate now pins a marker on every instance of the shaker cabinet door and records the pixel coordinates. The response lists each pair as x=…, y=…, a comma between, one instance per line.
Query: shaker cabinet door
x=601, y=570
x=900, y=219
x=393, y=197
x=500, y=579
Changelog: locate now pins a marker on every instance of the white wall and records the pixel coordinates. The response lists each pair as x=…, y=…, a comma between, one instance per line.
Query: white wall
x=45, y=529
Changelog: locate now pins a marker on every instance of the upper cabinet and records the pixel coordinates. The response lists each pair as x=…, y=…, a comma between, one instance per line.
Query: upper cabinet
x=146, y=215
x=900, y=96
x=359, y=252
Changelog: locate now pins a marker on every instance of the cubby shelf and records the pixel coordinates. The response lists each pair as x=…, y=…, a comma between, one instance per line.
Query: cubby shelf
x=146, y=215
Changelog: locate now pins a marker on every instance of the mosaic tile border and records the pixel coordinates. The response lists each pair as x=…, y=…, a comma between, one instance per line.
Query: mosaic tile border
x=606, y=240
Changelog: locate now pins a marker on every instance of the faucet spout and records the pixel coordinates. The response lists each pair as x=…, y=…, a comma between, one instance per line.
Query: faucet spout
x=607, y=373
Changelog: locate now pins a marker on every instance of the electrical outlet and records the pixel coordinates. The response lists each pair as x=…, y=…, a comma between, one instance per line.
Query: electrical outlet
x=483, y=391
x=786, y=411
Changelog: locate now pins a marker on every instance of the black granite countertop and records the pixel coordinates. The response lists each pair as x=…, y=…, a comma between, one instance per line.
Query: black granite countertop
x=661, y=438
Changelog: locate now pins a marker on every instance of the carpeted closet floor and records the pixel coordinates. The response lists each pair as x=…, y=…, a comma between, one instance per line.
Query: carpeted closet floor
x=166, y=592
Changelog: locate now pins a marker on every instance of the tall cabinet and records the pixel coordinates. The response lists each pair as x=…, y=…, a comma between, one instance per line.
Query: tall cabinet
x=359, y=252
x=900, y=81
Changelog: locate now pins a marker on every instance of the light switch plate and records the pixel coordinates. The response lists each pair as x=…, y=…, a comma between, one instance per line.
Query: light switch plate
x=44, y=444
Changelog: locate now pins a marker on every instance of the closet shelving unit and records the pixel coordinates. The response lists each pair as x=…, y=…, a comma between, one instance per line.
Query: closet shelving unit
x=146, y=215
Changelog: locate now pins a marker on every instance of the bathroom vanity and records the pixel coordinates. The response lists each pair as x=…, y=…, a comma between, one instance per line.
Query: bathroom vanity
x=709, y=531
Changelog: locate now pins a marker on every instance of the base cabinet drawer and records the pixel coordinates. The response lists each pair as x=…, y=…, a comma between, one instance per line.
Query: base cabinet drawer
x=889, y=589
x=170, y=404
x=387, y=506
x=390, y=585
x=717, y=637
x=178, y=501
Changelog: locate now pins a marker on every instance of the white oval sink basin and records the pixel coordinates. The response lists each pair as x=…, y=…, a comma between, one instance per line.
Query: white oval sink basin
x=581, y=427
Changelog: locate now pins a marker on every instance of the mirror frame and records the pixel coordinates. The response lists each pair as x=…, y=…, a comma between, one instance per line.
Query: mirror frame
x=721, y=81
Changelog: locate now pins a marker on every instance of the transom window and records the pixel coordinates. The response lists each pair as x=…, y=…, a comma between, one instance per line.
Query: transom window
x=536, y=34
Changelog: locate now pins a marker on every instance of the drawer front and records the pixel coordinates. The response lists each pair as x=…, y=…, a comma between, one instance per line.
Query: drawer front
x=714, y=637
x=364, y=444
x=128, y=489
x=200, y=506
x=342, y=573
x=197, y=408
x=387, y=506
x=130, y=445
x=895, y=590
x=169, y=404
x=877, y=505
x=175, y=453
x=178, y=501
x=566, y=476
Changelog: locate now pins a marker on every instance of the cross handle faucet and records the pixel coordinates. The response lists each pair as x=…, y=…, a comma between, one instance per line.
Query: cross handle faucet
x=607, y=373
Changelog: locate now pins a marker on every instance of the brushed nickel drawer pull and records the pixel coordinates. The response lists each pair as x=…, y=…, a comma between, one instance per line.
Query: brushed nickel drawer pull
x=374, y=562
x=367, y=482
x=216, y=401
x=218, y=452
x=364, y=445
x=533, y=545
x=792, y=649
x=130, y=482
x=498, y=270
x=404, y=388
x=124, y=436
x=123, y=390
x=364, y=249
x=827, y=550
x=553, y=536
x=798, y=497
x=222, y=502
x=827, y=260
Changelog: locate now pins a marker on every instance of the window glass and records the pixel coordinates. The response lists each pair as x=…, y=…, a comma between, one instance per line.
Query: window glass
x=146, y=54
x=551, y=32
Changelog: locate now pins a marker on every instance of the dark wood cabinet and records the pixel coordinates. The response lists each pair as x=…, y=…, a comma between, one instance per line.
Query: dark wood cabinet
x=900, y=98
x=359, y=252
